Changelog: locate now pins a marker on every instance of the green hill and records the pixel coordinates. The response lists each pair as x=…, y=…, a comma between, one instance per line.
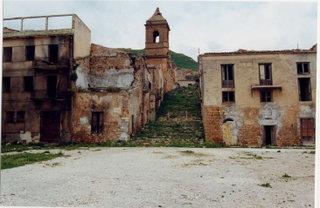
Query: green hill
x=181, y=60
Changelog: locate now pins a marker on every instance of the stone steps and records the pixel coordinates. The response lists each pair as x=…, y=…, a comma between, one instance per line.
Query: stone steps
x=179, y=118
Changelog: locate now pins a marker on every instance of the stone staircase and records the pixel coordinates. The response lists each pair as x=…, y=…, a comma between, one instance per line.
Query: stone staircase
x=178, y=121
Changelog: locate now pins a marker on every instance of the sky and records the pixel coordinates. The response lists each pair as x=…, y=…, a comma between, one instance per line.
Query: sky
x=209, y=26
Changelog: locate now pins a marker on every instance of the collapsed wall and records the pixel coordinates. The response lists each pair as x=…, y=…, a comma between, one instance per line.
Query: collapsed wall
x=111, y=101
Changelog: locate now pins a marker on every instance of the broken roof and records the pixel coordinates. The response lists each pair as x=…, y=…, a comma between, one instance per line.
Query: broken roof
x=313, y=49
x=76, y=23
x=6, y=29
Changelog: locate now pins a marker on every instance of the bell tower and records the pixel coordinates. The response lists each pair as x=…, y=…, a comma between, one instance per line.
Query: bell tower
x=157, y=36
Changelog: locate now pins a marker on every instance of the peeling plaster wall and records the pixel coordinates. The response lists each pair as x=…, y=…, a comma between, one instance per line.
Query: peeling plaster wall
x=82, y=81
x=115, y=111
x=249, y=115
x=232, y=122
x=112, y=78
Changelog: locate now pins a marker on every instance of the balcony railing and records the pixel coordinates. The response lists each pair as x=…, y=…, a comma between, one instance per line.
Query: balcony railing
x=44, y=94
x=265, y=81
x=228, y=83
x=45, y=64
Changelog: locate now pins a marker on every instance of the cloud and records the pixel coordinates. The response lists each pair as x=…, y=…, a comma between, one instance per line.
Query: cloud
x=210, y=26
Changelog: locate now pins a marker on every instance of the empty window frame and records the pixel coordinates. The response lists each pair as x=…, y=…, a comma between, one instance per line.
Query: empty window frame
x=28, y=83
x=304, y=89
x=228, y=96
x=303, y=68
x=20, y=117
x=97, y=122
x=227, y=75
x=51, y=86
x=7, y=54
x=156, y=37
x=265, y=96
x=10, y=117
x=307, y=128
x=265, y=74
x=6, y=84
x=53, y=53
x=30, y=50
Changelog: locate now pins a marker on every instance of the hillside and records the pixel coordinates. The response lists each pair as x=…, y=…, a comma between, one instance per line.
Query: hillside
x=181, y=60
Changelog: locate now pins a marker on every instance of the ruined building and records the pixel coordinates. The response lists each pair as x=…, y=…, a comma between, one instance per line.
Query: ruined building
x=257, y=98
x=186, y=77
x=59, y=87
x=37, y=64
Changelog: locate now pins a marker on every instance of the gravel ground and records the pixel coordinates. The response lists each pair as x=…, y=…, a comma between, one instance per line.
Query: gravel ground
x=164, y=177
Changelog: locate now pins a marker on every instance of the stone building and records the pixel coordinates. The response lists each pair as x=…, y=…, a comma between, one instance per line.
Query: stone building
x=37, y=64
x=59, y=87
x=258, y=98
x=186, y=77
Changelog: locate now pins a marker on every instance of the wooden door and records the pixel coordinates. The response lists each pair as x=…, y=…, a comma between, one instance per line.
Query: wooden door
x=307, y=128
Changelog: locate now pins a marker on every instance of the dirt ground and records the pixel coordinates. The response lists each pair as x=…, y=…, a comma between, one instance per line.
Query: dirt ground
x=165, y=177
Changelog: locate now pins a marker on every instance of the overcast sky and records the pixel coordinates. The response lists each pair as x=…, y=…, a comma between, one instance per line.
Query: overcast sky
x=210, y=26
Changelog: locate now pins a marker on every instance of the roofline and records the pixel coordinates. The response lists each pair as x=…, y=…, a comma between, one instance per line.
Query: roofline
x=232, y=53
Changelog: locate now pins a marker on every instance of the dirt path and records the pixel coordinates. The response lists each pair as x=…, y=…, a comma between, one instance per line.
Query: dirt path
x=165, y=177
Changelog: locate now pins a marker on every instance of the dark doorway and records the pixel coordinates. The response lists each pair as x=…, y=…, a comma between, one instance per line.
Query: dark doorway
x=97, y=122
x=51, y=86
x=53, y=53
x=268, y=134
x=49, y=126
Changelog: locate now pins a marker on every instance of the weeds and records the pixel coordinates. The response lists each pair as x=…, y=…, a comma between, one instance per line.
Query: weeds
x=20, y=159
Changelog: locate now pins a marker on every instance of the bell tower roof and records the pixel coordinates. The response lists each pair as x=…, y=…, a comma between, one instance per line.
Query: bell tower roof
x=157, y=18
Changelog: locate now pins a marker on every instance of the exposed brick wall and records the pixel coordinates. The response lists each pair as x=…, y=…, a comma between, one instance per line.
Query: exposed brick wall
x=250, y=130
x=110, y=103
x=212, y=124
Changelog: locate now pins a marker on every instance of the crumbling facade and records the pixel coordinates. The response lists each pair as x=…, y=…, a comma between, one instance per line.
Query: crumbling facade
x=258, y=98
x=59, y=87
x=112, y=99
x=37, y=64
